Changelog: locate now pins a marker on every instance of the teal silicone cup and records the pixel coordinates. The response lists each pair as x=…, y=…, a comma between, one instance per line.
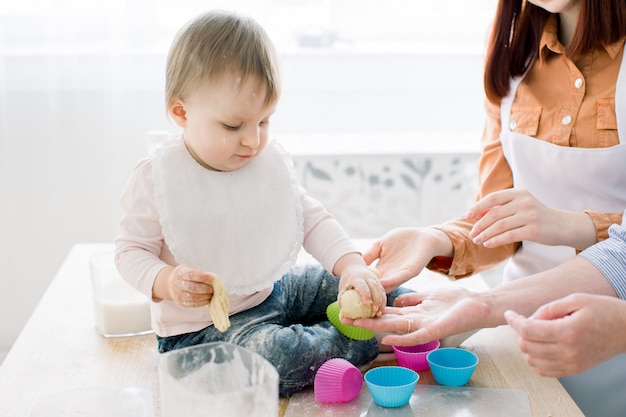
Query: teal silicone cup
x=391, y=386
x=452, y=366
x=414, y=357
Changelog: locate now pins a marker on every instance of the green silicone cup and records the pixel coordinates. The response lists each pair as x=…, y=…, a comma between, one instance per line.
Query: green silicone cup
x=353, y=332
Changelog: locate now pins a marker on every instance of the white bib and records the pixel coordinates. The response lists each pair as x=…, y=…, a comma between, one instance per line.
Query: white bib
x=245, y=225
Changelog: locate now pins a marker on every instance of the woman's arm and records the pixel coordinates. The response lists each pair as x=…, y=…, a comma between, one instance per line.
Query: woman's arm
x=445, y=312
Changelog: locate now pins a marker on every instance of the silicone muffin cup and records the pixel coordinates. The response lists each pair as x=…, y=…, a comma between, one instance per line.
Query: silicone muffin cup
x=452, y=366
x=414, y=357
x=353, y=332
x=391, y=386
x=337, y=381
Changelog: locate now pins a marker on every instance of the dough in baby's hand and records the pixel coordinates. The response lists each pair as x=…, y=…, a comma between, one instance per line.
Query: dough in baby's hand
x=219, y=305
x=352, y=306
x=375, y=271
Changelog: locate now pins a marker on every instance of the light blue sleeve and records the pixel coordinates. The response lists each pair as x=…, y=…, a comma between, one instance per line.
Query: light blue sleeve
x=609, y=256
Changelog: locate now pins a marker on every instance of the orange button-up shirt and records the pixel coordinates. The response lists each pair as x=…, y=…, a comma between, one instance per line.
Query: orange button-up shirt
x=565, y=102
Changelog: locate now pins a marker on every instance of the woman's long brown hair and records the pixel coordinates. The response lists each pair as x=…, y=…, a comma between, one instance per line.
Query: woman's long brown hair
x=516, y=33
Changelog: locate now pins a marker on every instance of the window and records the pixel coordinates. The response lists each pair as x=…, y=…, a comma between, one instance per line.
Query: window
x=350, y=66
x=342, y=24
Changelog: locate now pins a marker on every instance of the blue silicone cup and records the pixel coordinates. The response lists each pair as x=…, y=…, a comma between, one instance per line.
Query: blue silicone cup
x=391, y=386
x=451, y=366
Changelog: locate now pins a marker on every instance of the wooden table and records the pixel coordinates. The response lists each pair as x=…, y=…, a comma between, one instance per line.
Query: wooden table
x=59, y=349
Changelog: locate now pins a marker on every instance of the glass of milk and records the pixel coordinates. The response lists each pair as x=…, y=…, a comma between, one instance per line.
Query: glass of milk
x=119, y=309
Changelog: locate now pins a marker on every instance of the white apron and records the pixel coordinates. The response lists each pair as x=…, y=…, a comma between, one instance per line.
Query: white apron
x=572, y=179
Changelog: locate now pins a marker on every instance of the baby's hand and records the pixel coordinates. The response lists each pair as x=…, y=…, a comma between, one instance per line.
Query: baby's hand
x=361, y=294
x=190, y=287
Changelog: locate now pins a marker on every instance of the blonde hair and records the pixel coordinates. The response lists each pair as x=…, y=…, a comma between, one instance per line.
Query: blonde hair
x=214, y=44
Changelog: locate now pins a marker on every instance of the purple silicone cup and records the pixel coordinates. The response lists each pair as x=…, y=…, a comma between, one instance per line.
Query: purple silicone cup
x=337, y=381
x=414, y=357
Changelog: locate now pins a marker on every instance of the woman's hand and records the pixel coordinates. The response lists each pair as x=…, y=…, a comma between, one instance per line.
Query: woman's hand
x=421, y=317
x=571, y=335
x=187, y=287
x=404, y=252
x=515, y=215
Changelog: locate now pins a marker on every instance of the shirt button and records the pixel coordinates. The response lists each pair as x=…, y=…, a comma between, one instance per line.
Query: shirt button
x=566, y=120
x=578, y=83
x=512, y=124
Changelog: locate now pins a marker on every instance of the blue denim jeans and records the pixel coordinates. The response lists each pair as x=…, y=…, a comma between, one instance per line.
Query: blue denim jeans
x=290, y=329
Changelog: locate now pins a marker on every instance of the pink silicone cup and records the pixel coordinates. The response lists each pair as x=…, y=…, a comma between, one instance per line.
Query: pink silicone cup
x=414, y=357
x=337, y=381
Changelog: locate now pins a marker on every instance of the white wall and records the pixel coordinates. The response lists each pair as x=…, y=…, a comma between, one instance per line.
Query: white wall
x=72, y=125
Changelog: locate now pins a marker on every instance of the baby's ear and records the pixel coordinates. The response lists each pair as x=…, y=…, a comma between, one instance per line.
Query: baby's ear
x=178, y=113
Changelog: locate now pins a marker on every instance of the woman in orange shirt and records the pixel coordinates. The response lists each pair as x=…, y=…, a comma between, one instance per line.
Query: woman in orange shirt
x=553, y=165
x=553, y=168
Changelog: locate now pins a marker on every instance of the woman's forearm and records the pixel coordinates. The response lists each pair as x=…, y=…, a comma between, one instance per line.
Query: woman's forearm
x=527, y=294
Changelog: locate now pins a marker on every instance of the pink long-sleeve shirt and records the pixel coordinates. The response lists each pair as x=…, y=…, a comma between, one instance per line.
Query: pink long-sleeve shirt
x=141, y=252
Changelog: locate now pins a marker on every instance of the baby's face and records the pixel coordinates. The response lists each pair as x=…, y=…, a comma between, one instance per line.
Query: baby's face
x=225, y=123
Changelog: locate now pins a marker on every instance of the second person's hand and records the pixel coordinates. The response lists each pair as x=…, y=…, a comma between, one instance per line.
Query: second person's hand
x=572, y=334
x=403, y=252
x=514, y=215
x=421, y=317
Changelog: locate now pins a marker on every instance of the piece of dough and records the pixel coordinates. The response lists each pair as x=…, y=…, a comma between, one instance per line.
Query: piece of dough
x=375, y=271
x=352, y=306
x=219, y=304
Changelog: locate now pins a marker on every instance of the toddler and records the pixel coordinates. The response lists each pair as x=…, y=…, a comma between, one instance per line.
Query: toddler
x=222, y=201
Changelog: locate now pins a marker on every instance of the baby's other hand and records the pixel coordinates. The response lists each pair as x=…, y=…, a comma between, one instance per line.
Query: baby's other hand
x=190, y=287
